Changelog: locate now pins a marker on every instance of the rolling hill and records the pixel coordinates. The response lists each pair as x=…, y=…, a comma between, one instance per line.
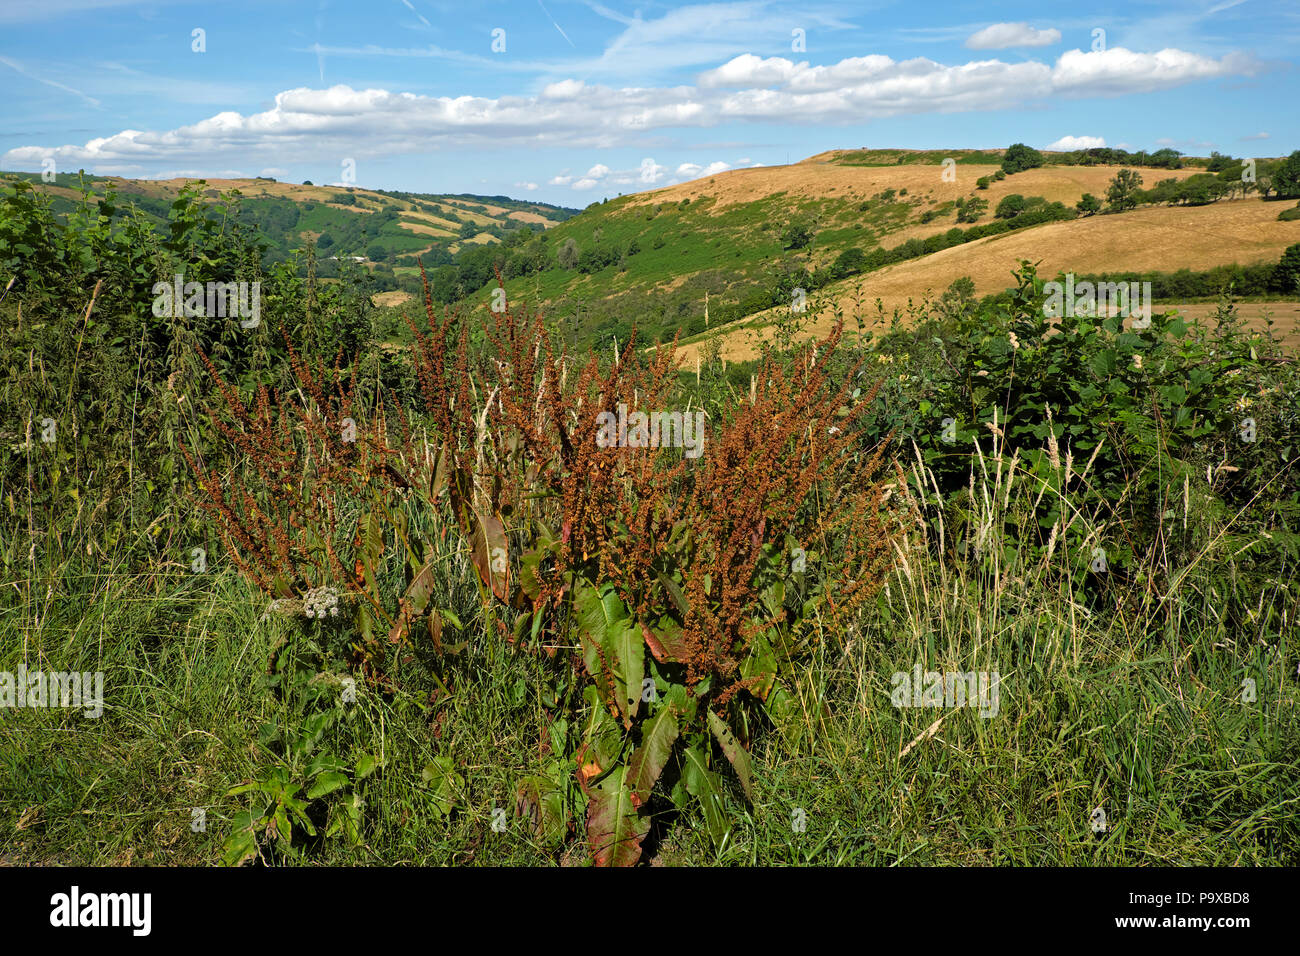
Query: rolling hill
x=706, y=255
x=1157, y=239
x=387, y=230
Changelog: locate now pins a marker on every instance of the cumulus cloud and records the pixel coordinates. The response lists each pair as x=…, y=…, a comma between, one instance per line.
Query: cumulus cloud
x=307, y=124
x=1000, y=36
x=649, y=173
x=1116, y=70
x=1068, y=143
x=696, y=171
x=528, y=186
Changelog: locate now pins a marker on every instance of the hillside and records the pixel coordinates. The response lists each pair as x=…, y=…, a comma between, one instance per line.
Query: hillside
x=1162, y=239
x=387, y=230
x=690, y=257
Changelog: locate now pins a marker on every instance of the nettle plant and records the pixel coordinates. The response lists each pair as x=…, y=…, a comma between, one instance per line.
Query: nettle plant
x=672, y=597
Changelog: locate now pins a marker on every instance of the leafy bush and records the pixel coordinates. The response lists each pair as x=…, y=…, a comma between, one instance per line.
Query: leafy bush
x=1020, y=157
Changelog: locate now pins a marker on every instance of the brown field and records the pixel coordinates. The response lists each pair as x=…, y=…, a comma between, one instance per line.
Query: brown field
x=532, y=218
x=1149, y=239
x=816, y=178
x=421, y=229
x=431, y=219
x=1285, y=316
x=480, y=239
x=390, y=298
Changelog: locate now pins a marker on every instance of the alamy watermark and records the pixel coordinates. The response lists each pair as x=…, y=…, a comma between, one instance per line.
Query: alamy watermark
x=209, y=300
x=1126, y=299
x=947, y=689
x=651, y=430
x=57, y=689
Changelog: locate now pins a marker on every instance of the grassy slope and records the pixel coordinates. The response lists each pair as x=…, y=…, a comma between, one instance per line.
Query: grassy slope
x=422, y=219
x=1151, y=238
x=722, y=233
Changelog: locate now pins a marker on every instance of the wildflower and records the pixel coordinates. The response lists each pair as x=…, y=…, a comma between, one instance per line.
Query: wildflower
x=1015, y=342
x=318, y=602
x=1137, y=361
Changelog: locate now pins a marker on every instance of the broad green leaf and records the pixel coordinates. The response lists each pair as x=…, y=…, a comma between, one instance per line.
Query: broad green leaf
x=658, y=735
x=327, y=783
x=625, y=648
x=738, y=755
x=702, y=783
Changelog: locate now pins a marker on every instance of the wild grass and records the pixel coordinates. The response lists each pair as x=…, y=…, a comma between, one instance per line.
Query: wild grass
x=1139, y=712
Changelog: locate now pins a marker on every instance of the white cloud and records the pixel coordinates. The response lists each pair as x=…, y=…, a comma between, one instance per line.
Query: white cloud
x=999, y=36
x=308, y=124
x=1116, y=70
x=1255, y=136
x=1067, y=143
x=528, y=186
x=648, y=174
x=696, y=171
x=651, y=172
x=750, y=70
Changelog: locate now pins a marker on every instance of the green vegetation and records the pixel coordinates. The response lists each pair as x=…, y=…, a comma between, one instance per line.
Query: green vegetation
x=351, y=222
x=1020, y=157
x=360, y=604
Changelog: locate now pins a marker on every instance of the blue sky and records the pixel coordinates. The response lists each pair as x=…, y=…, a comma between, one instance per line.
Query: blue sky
x=570, y=102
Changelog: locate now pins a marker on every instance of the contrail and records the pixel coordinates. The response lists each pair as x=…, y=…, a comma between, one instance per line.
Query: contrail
x=554, y=24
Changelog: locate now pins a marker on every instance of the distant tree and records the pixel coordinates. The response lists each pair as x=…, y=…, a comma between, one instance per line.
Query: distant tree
x=849, y=262
x=982, y=183
x=1286, y=276
x=1219, y=162
x=1195, y=191
x=1167, y=157
x=1011, y=206
x=971, y=209
x=1020, y=157
x=308, y=182
x=568, y=255
x=797, y=235
x=325, y=241
x=376, y=251
x=1123, y=188
x=1286, y=176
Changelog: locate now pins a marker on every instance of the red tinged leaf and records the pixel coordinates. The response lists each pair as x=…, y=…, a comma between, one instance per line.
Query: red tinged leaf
x=491, y=555
x=652, y=642
x=614, y=827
